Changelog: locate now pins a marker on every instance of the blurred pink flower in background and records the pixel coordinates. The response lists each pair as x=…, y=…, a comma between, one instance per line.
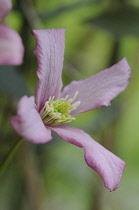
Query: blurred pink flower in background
x=11, y=47
x=53, y=107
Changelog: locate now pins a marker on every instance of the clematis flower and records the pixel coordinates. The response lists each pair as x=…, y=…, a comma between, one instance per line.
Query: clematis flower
x=55, y=107
x=11, y=47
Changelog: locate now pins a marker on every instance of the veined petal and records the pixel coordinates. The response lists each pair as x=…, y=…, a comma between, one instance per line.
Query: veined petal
x=11, y=47
x=50, y=44
x=99, y=89
x=5, y=6
x=106, y=164
x=28, y=122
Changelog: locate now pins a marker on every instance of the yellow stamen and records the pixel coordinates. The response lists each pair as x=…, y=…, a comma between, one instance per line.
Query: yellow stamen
x=56, y=112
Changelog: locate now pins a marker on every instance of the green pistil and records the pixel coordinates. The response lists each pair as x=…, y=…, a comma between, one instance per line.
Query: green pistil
x=56, y=112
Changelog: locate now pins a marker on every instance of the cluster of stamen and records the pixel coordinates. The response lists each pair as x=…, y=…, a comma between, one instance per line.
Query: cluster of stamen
x=56, y=112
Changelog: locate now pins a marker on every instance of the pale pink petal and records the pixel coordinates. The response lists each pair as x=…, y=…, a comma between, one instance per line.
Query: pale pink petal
x=101, y=88
x=28, y=123
x=106, y=164
x=5, y=6
x=11, y=47
x=50, y=54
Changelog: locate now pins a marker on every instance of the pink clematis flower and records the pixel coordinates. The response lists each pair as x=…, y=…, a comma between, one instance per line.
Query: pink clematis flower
x=11, y=47
x=53, y=107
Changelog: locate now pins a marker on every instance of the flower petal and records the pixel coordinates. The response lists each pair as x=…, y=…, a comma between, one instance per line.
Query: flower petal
x=105, y=163
x=50, y=54
x=99, y=89
x=5, y=6
x=28, y=123
x=11, y=47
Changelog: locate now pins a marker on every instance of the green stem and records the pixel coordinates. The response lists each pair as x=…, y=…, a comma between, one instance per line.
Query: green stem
x=10, y=155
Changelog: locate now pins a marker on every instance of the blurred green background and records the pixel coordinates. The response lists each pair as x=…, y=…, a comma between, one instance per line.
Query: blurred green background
x=54, y=176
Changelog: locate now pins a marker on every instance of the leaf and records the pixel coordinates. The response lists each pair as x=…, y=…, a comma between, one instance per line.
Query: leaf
x=67, y=8
x=121, y=22
x=12, y=82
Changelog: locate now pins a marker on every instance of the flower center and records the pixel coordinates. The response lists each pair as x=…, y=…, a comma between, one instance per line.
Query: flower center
x=56, y=112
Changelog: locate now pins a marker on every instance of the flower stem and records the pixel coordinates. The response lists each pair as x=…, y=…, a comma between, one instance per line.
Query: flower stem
x=10, y=155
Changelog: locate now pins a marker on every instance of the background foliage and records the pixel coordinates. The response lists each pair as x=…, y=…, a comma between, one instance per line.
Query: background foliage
x=54, y=175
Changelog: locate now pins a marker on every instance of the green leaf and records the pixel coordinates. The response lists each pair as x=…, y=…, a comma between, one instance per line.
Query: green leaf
x=121, y=22
x=12, y=82
x=67, y=8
